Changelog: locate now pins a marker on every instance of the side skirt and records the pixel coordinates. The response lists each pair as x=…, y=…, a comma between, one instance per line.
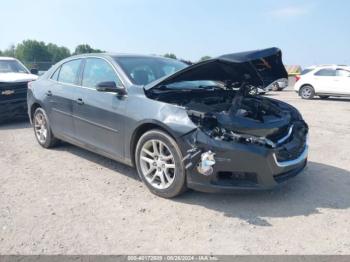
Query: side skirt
x=331, y=94
x=94, y=149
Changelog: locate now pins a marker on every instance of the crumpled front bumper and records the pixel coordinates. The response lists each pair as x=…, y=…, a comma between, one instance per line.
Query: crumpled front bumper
x=239, y=166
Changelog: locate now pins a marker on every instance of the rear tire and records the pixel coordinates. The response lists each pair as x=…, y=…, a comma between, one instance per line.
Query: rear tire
x=42, y=129
x=159, y=164
x=307, y=92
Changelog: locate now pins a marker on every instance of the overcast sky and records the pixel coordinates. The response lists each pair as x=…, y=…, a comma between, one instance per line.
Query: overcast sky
x=308, y=32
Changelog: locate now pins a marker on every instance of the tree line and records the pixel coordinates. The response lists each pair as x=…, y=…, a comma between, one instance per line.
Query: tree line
x=35, y=53
x=40, y=55
x=173, y=56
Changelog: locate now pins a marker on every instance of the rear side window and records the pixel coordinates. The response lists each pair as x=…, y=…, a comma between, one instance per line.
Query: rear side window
x=325, y=72
x=69, y=72
x=97, y=70
x=343, y=73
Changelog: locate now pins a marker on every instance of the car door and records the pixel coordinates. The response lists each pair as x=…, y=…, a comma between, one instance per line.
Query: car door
x=324, y=81
x=98, y=116
x=343, y=81
x=61, y=94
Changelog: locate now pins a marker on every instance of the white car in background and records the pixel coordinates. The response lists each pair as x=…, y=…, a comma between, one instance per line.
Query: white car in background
x=323, y=81
x=14, y=78
x=279, y=85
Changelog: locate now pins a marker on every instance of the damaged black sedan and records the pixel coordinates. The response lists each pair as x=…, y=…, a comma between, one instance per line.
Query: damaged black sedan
x=181, y=126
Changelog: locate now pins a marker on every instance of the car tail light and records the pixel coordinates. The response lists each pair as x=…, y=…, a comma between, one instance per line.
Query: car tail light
x=297, y=77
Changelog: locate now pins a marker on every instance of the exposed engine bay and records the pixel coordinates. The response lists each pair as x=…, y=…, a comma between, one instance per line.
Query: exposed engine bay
x=231, y=115
x=230, y=135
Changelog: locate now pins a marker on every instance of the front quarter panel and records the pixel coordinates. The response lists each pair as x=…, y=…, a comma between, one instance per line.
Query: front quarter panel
x=143, y=110
x=36, y=94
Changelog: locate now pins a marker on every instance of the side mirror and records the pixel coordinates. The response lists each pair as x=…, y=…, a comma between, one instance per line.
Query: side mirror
x=34, y=71
x=110, y=86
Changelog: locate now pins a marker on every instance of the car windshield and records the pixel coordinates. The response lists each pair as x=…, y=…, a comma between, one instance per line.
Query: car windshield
x=144, y=70
x=11, y=66
x=202, y=84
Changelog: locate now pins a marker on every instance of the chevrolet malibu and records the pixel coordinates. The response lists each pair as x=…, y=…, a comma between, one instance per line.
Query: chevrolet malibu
x=181, y=126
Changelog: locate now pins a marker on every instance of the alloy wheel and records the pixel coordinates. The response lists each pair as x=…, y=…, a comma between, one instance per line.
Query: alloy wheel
x=40, y=126
x=306, y=92
x=157, y=164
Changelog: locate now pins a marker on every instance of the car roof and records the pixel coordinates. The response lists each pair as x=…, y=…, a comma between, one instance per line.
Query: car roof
x=7, y=58
x=327, y=66
x=117, y=55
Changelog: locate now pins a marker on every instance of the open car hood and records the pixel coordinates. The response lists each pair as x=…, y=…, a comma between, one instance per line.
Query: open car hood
x=258, y=68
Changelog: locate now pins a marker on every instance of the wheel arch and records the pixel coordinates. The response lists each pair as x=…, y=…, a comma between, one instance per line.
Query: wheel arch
x=33, y=107
x=142, y=129
x=306, y=84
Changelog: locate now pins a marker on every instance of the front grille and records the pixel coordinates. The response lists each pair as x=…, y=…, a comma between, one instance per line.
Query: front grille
x=282, y=132
x=290, y=154
x=295, y=146
x=13, y=91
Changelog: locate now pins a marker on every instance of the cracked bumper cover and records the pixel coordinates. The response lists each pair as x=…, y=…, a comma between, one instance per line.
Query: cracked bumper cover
x=239, y=166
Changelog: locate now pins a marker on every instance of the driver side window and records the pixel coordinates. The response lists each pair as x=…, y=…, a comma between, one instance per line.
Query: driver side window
x=97, y=70
x=325, y=72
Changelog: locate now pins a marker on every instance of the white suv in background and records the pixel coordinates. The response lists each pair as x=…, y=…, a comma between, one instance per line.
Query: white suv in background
x=323, y=81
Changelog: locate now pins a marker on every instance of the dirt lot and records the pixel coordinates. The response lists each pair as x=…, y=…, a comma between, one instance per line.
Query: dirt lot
x=68, y=200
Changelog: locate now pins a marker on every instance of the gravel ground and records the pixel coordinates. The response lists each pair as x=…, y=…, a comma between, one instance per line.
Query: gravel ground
x=70, y=201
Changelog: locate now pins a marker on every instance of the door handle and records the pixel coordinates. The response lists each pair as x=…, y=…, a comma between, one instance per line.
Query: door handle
x=80, y=101
x=48, y=93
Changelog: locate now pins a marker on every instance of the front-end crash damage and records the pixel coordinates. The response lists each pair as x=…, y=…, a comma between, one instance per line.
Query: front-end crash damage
x=241, y=141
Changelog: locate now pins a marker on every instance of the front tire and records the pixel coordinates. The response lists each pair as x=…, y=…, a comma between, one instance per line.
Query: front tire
x=159, y=164
x=307, y=92
x=42, y=129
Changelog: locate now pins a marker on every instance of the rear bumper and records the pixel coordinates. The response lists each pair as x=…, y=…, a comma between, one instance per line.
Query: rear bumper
x=13, y=108
x=243, y=167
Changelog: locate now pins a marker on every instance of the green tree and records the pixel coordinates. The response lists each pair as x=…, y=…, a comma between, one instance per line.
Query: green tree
x=9, y=51
x=170, y=55
x=57, y=53
x=32, y=51
x=84, y=49
x=206, y=57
